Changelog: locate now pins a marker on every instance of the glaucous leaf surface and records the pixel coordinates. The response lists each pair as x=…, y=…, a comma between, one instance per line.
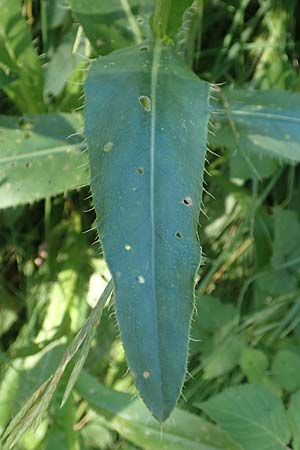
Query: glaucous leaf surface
x=146, y=126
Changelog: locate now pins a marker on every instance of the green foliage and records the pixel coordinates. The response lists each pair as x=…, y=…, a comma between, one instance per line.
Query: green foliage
x=106, y=23
x=252, y=415
x=294, y=416
x=254, y=364
x=40, y=157
x=241, y=389
x=259, y=123
x=132, y=420
x=285, y=368
x=18, y=57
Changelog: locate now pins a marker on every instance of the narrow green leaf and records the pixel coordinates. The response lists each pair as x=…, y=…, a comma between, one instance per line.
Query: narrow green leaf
x=146, y=125
x=261, y=122
x=5, y=79
x=252, y=415
x=61, y=433
x=183, y=431
x=18, y=54
x=37, y=160
x=286, y=247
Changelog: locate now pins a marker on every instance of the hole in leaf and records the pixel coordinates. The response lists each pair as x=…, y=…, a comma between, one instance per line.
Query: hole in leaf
x=108, y=147
x=145, y=102
x=127, y=247
x=141, y=279
x=147, y=374
x=187, y=201
x=140, y=171
x=178, y=234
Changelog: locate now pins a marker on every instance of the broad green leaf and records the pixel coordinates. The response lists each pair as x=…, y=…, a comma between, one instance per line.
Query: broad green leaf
x=146, y=125
x=61, y=67
x=132, y=420
x=266, y=123
x=252, y=415
x=111, y=24
x=37, y=160
x=286, y=369
x=18, y=54
x=294, y=417
x=254, y=364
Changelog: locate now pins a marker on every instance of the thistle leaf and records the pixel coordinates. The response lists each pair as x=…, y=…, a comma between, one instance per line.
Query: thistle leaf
x=146, y=125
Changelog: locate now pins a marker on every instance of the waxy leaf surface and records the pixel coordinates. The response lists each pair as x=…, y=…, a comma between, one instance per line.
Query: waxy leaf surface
x=146, y=126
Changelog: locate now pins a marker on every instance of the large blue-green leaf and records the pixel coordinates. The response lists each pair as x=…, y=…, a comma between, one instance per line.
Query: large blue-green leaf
x=10, y=134
x=146, y=125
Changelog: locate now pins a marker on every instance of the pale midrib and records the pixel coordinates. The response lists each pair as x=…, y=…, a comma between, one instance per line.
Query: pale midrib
x=154, y=78
x=39, y=153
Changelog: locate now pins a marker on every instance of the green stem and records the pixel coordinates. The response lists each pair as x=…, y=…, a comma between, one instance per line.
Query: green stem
x=44, y=25
x=161, y=17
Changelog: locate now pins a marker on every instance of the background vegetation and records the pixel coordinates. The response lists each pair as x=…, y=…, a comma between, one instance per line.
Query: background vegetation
x=243, y=385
